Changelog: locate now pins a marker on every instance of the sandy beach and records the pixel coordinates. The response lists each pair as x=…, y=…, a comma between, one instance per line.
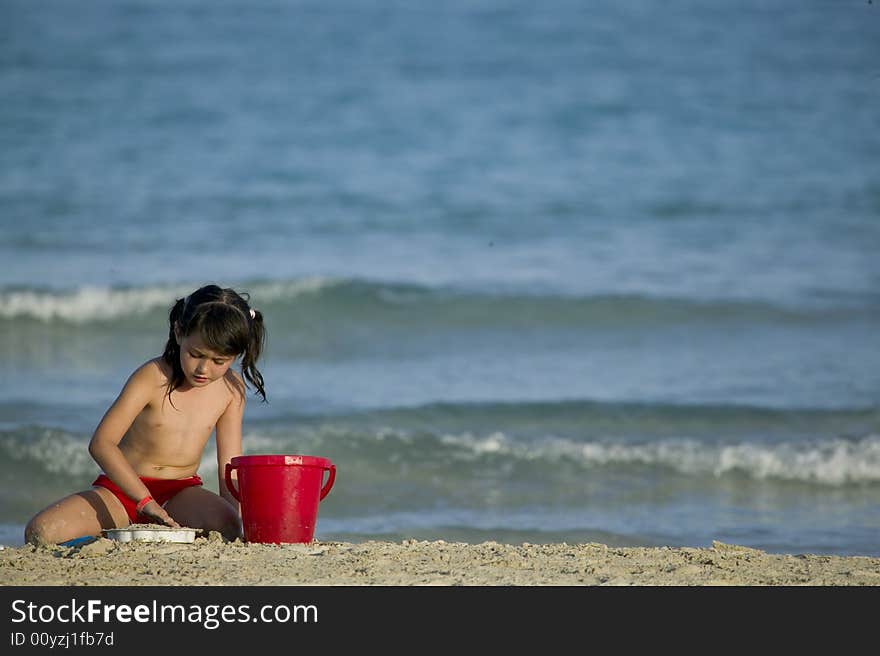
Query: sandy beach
x=211, y=561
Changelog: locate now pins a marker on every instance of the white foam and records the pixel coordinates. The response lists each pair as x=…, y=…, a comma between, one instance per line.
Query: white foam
x=833, y=461
x=95, y=303
x=275, y=291
x=87, y=303
x=55, y=451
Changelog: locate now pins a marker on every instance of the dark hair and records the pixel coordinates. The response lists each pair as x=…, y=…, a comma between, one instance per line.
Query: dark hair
x=227, y=324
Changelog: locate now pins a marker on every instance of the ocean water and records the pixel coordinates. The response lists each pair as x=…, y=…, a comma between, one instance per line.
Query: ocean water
x=561, y=271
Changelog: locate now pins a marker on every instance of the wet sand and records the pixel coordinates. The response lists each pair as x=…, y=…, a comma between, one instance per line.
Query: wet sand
x=212, y=561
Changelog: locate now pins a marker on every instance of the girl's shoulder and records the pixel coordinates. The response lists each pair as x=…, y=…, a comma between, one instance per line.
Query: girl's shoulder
x=146, y=381
x=154, y=371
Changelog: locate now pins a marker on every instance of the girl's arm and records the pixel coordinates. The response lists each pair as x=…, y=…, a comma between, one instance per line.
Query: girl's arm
x=104, y=445
x=229, y=437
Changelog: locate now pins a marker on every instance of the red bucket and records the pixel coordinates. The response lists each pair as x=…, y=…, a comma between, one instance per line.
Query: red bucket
x=279, y=495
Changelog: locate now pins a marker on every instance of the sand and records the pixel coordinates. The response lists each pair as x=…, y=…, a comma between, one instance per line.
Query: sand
x=212, y=561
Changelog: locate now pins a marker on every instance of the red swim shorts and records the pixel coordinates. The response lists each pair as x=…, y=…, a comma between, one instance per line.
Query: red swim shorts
x=161, y=489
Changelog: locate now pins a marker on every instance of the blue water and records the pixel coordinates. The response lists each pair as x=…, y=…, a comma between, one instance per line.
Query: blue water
x=554, y=272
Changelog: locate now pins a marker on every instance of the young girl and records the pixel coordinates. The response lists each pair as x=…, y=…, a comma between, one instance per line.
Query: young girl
x=150, y=442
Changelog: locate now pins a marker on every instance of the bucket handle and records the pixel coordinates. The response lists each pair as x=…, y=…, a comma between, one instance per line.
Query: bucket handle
x=228, y=476
x=326, y=489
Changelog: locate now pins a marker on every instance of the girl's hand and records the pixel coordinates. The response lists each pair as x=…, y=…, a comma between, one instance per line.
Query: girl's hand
x=157, y=515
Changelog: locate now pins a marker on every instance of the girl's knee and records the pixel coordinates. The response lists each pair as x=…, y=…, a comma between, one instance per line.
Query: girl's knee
x=41, y=530
x=224, y=521
x=229, y=523
x=33, y=532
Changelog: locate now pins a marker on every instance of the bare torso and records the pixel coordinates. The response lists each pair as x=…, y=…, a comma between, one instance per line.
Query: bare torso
x=168, y=436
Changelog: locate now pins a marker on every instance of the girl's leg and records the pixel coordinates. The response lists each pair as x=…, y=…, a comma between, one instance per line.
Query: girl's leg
x=196, y=507
x=75, y=516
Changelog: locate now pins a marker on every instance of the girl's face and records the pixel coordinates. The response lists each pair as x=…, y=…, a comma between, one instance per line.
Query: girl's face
x=202, y=366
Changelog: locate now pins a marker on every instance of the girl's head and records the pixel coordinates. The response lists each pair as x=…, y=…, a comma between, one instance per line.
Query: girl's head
x=208, y=330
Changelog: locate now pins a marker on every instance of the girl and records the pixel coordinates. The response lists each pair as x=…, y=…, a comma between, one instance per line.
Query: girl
x=150, y=442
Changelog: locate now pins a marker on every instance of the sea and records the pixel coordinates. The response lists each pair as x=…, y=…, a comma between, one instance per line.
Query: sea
x=556, y=271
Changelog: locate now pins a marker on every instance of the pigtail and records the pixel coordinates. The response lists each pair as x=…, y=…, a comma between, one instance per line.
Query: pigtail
x=255, y=348
x=171, y=355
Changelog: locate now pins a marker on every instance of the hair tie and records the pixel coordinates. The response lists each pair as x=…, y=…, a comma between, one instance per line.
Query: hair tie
x=253, y=314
